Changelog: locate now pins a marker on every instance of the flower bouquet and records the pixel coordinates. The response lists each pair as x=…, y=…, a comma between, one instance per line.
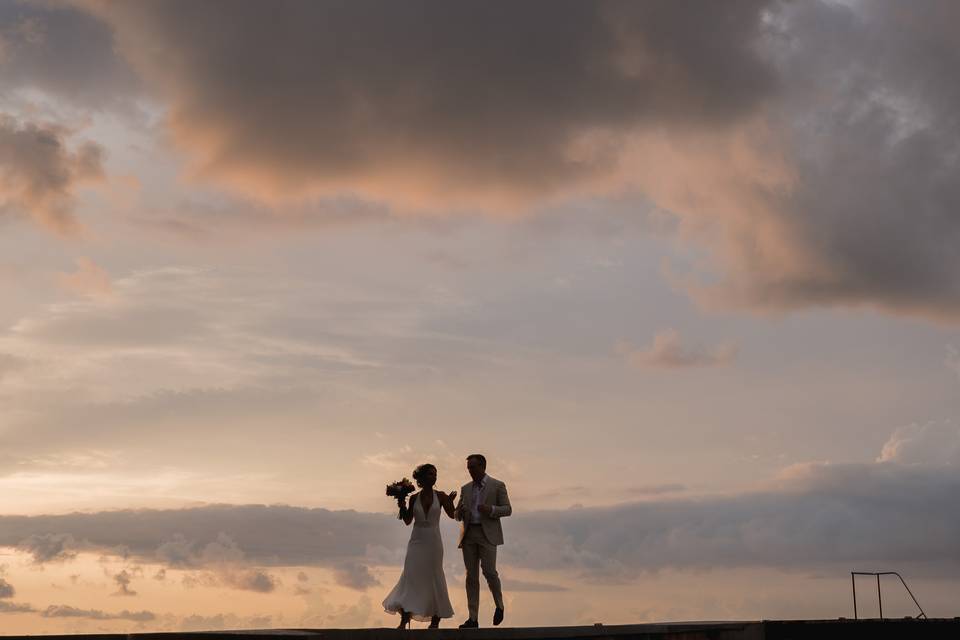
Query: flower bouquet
x=400, y=490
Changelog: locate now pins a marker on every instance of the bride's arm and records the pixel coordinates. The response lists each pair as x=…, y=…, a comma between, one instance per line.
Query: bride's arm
x=406, y=513
x=447, y=501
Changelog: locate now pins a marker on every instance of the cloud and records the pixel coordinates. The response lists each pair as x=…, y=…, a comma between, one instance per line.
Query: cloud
x=809, y=147
x=48, y=547
x=668, y=351
x=88, y=280
x=812, y=516
x=9, y=364
x=511, y=585
x=119, y=325
x=6, y=589
x=38, y=174
x=262, y=535
x=952, y=360
x=656, y=489
x=63, y=52
x=15, y=607
x=225, y=560
x=252, y=580
x=329, y=615
x=477, y=105
x=865, y=130
x=931, y=443
x=123, y=580
x=67, y=611
x=219, y=621
x=177, y=552
x=354, y=576
x=819, y=515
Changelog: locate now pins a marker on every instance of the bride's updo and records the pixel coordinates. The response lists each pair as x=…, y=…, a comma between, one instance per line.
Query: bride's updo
x=422, y=470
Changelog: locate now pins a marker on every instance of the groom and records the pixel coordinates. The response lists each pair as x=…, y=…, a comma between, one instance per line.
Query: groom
x=482, y=503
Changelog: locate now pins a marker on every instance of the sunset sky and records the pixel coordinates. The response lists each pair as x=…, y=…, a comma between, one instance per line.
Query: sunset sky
x=686, y=272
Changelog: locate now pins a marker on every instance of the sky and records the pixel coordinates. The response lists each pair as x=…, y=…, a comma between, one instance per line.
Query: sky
x=685, y=272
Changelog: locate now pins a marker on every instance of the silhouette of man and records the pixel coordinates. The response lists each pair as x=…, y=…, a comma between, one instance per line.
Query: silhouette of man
x=482, y=503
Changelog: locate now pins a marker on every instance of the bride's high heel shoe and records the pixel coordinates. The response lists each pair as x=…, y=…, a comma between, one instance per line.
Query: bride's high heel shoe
x=434, y=622
x=404, y=620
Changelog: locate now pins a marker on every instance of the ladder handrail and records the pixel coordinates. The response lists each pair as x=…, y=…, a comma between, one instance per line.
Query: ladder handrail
x=853, y=583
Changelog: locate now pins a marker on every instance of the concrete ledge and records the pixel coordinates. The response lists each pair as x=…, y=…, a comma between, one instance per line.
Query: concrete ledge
x=907, y=629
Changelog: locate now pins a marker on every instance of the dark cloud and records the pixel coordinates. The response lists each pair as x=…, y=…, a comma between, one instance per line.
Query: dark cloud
x=64, y=52
x=355, y=576
x=6, y=589
x=223, y=559
x=811, y=146
x=867, y=119
x=824, y=515
x=227, y=560
x=208, y=536
x=432, y=102
x=253, y=580
x=177, y=552
x=228, y=218
x=816, y=516
x=48, y=547
x=66, y=611
x=38, y=173
x=15, y=607
x=123, y=580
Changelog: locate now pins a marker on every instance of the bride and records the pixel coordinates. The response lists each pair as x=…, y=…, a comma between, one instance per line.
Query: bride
x=421, y=591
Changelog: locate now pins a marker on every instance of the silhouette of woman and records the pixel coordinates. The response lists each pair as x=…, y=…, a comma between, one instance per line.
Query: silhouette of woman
x=421, y=591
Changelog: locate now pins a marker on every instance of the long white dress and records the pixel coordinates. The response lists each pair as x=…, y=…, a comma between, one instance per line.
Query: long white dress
x=422, y=587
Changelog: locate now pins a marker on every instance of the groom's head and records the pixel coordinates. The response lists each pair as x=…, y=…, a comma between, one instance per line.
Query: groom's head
x=476, y=466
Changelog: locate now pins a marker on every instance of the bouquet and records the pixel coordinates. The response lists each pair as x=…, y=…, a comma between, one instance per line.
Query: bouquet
x=400, y=490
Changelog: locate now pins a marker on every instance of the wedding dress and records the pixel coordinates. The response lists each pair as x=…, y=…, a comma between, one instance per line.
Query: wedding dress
x=422, y=587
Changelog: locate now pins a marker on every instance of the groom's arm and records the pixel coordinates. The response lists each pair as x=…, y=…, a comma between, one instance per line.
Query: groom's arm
x=501, y=508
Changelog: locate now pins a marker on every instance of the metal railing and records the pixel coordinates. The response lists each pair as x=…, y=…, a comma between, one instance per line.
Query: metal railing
x=853, y=582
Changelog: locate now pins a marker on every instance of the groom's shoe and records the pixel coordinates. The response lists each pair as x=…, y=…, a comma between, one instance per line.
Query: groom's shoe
x=498, y=616
x=470, y=624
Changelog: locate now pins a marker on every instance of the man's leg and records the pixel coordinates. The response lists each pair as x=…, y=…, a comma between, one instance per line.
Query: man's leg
x=471, y=561
x=488, y=562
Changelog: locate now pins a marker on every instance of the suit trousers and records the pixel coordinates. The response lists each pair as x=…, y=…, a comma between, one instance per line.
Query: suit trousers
x=480, y=554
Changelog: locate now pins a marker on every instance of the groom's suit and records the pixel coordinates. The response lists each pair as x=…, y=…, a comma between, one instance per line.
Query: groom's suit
x=480, y=536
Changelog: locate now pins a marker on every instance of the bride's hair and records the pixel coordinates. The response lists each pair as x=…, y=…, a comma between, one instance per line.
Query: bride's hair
x=422, y=469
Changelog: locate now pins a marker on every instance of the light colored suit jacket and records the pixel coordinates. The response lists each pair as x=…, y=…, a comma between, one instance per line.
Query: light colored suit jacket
x=495, y=495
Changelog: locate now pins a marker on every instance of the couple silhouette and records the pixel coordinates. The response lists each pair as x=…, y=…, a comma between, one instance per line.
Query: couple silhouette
x=421, y=592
